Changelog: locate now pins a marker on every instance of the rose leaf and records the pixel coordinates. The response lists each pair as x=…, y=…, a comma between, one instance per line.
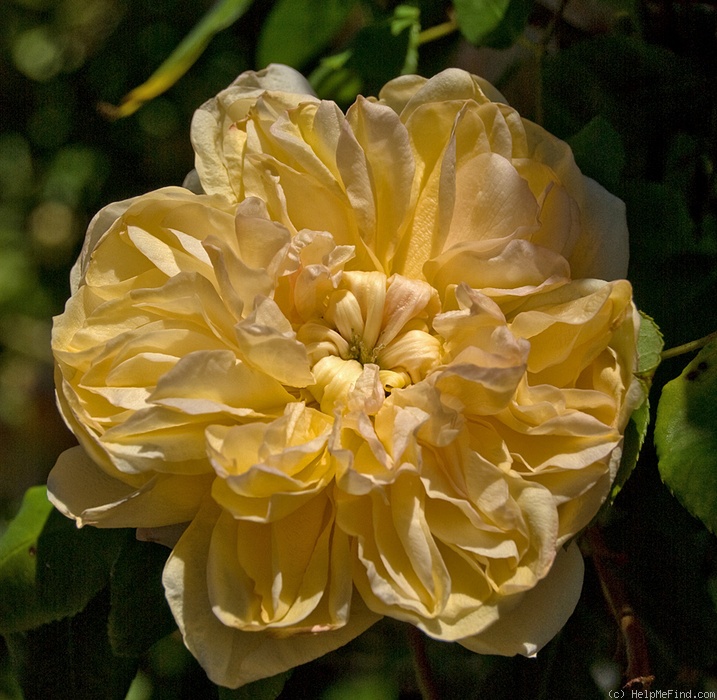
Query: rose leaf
x=297, y=30
x=20, y=607
x=686, y=436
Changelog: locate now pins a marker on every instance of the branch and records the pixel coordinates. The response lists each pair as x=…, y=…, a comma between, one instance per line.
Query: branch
x=606, y=563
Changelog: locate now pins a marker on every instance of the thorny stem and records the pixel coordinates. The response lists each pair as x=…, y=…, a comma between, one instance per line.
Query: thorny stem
x=688, y=347
x=437, y=32
x=422, y=665
x=606, y=564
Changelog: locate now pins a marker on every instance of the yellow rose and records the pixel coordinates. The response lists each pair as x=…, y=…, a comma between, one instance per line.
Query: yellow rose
x=375, y=368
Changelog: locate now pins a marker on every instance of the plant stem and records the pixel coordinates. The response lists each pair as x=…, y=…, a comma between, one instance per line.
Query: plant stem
x=637, y=673
x=437, y=32
x=688, y=347
x=421, y=664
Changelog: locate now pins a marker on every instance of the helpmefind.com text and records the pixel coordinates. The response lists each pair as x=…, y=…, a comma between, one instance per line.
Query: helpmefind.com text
x=661, y=694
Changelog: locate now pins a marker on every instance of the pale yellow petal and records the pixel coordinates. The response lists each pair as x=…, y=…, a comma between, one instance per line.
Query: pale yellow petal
x=233, y=657
x=80, y=489
x=527, y=626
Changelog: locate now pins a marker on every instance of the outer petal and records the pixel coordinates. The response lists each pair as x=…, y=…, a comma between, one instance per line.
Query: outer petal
x=527, y=627
x=232, y=657
x=83, y=491
x=602, y=251
x=218, y=144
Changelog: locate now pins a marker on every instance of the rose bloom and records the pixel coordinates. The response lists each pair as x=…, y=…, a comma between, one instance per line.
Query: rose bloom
x=377, y=364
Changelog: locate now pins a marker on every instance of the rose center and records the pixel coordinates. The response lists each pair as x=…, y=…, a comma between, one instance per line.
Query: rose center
x=370, y=320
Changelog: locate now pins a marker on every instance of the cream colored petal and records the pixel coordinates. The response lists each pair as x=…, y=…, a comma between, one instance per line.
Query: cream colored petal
x=493, y=204
x=83, y=491
x=269, y=470
x=100, y=224
x=229, y=656
x=602, y=251
x=406, y=299
x=334, y=380
x=526, y=627
x=274, y=575
x=431, y=130
x=520, y=266
x=569, y=327
x=218, y=143
x=389, y=162
x=398, y=570
x=450, y=84
x=268, y=342
x=276, y=77
x=207, y=382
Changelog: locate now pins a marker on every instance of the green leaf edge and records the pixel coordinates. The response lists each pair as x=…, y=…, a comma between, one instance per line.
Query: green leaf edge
x=23, y=533
x=649, y=348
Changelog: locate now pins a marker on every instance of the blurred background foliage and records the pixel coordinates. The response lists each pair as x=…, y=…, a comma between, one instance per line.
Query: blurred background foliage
x=629, y=83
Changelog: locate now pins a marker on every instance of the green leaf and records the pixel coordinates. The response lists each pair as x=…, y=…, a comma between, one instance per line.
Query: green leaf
x=479, y=20
x=649, y=349
x=686, y=436
x=139, y=613
x=633, y=441
x=222, y=15
x=511, y=26
x=71, y=659
x=599, y=152
x=332, y=80
x=364, y=687
x=265, y=689
x=20, y=607
x=297, y=30
x=380, y=53
x=48, y=568
x=649, y=346
x=74, y=564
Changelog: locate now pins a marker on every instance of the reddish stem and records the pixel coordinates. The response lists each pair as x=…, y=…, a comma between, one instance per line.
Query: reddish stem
x=607, y=565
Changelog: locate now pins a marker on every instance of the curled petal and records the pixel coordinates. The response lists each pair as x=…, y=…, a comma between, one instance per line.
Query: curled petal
x=80, y=489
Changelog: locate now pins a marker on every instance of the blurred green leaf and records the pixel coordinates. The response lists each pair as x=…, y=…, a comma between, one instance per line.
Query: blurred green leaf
x=366, y=687
x=74, y=564
x=139, y=614
x=222, y=15
x=332, y=80
x=20, y=607
x=495, y=23
x=599, y=152
x=511, y=26
x=377, y=54
x=9, y=687
x=71, y=659
x=265, y=689
x=381, y=51
x=297, y=30
x=686, y=436
x=48, y=568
